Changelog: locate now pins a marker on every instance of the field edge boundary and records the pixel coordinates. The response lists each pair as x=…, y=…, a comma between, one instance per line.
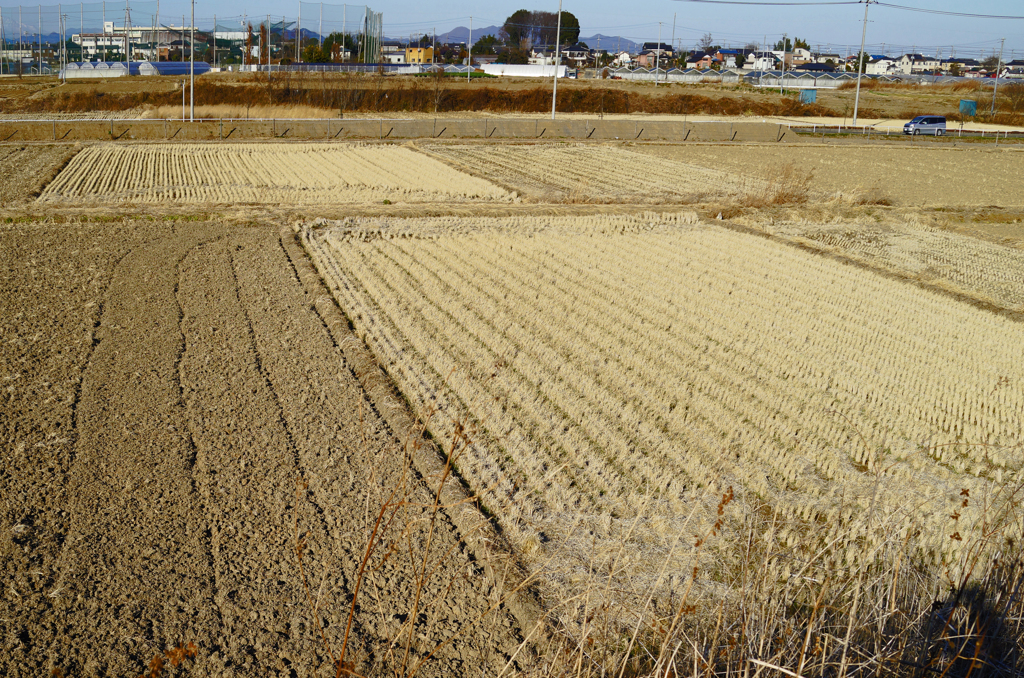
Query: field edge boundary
x=523, y=599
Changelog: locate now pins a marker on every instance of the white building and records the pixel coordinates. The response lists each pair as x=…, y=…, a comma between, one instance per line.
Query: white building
x=113, y=39
x=885, y=66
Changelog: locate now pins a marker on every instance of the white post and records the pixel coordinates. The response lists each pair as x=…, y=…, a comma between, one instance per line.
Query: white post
x=995, y=83
x=657, y=57
x=558, y=58
x=782, y=80
x=320, y=28
x=156, y=25
x=192, y=66
x=214, y=39
x=860, y=57
x=469, y=50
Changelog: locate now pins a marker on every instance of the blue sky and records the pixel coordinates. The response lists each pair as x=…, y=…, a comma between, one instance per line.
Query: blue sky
x=835, y=26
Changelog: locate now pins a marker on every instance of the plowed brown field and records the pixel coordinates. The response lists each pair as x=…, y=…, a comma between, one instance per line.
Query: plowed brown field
x=177, y=418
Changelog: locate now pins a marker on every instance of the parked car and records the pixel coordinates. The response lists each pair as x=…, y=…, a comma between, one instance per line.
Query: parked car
x=926, y=124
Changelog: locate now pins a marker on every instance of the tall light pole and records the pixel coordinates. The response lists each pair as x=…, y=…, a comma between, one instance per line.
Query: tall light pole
x=192, y=67
x=995, y=83
x=657, y=57
x=558, y=58
x=860, y=61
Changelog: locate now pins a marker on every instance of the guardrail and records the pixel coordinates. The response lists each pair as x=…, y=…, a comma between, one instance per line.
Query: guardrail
x=874, y=130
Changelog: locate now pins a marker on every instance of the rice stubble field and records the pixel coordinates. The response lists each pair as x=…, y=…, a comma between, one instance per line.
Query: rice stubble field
x=202, y=454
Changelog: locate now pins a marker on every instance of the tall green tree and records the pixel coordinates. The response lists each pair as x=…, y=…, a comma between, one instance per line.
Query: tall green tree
x=486, y=45
x=570, y=29
x=516, y=31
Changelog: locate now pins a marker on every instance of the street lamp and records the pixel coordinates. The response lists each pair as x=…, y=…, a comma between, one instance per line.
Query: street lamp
x=192, y=67
x=558, y=58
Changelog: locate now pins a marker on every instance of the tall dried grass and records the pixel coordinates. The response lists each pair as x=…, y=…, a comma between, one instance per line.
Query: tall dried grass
x=776, y=598
x=785, y=185
x=366, y=94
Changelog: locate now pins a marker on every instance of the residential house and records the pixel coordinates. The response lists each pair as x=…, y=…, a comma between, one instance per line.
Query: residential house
x=419, y=55
x=579, y=54
x=659, y=49
x=828, y=58
x=802, y=56
x=918, y=63
x=1013, y=69
x=701, y=60
x=729, y=57
x=392, y=52
x=763, y=61
x=879, y=64
x=541, y=57
x=623, y=59
x=785, y=58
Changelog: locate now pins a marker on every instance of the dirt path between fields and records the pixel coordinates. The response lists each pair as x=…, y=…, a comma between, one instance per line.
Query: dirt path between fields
x=175, y=413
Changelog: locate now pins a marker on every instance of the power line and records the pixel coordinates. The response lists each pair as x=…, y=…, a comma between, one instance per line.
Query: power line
x=811, y=3
x=775, y=4
x=968, y=15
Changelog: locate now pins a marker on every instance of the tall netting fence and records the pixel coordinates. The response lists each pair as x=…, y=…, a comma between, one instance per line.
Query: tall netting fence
x=41, y=38
x=38, y=39
x=357, y=27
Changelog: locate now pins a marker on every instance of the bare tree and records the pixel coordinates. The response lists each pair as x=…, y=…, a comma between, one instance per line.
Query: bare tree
x=440, y=82
x=1014, y=94
x=706, y=42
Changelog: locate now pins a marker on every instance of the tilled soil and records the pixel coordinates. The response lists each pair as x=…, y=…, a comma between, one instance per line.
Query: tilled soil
x=179, y=428
x=28, y=168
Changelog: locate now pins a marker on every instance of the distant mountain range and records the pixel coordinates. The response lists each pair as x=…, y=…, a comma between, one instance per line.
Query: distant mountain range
x=611, y=43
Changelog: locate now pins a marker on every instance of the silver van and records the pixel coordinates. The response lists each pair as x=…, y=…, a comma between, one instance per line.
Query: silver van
x=926, y=124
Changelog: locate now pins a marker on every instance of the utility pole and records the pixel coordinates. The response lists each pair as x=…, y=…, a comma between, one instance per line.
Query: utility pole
x=657, y=57
x=673, y=43
x=320, y=30
x=215, y=40
x=860, y=61
x=558, y=57
x=782, y=80
x=192, y=67
x=469, y=50
x=995, y=83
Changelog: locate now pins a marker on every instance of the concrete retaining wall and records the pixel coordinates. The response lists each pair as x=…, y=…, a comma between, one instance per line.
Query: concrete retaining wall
x=439, y=128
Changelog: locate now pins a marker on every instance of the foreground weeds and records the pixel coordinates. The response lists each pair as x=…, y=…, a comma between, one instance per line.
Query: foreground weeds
x=765, y=597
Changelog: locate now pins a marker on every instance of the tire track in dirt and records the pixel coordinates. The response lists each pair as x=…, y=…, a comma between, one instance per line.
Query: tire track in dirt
x=55, y=280
x=349, y=476
x=134, y=573
x=246, y=473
